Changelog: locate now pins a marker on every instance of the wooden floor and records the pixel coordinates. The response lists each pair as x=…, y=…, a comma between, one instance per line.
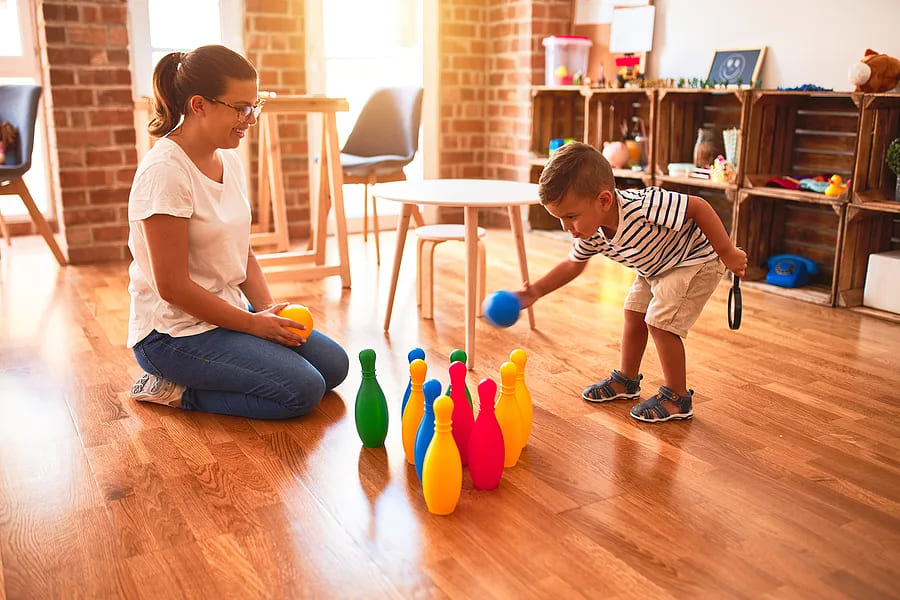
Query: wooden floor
x=786, y=484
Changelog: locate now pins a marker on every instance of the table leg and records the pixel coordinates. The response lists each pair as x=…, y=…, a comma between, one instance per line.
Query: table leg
x=402, y=228
x=471, y=227
x=515, y=223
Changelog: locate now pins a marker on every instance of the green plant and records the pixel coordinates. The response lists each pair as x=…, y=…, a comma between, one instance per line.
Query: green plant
x=893, y=157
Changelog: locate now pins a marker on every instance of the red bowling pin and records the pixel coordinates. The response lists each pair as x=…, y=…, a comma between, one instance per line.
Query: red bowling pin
x=486, y=452
x=463, y=419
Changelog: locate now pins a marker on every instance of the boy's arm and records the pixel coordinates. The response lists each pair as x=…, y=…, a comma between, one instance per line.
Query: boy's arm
x=557, y=277
x=710, y=224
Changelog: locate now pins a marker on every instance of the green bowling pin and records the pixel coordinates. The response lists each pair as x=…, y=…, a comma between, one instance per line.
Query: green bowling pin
x=460, y=356
x=371, y=406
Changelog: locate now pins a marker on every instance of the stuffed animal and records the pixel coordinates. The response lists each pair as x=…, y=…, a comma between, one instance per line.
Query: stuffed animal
x=875, y=73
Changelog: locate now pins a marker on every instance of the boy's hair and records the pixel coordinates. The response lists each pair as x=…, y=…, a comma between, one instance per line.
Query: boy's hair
x=577, y=168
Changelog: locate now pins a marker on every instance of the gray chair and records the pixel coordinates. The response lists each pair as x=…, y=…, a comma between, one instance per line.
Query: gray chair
x=18, y=106
x=384, y=139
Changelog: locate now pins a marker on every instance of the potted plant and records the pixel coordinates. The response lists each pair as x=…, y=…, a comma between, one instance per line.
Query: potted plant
x=893, y=163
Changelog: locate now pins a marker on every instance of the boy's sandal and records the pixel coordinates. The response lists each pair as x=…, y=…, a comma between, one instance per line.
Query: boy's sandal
x=604, y=392
x=653, y=411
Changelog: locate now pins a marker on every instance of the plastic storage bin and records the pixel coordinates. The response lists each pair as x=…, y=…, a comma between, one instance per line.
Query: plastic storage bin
x=882, y=289
x=566, y=59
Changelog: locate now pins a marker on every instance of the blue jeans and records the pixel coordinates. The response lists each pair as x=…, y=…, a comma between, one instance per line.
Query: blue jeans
x=234, y=373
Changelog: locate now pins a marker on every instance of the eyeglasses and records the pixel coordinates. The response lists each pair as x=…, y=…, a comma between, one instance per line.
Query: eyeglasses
x=243, y=112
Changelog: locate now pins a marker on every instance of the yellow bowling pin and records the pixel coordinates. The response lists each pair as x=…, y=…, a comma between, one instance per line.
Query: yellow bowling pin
x=415, y=408
x=523, y=396
x=442, y=469
x=507, y=412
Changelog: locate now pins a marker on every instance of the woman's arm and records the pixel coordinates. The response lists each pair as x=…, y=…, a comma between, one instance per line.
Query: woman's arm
x=557, y=277
x=255, y=287
x=167, y=242
x=710, y=224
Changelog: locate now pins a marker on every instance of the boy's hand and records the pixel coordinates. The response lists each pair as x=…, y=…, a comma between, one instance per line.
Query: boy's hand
x=528, y=295
x=735, y=260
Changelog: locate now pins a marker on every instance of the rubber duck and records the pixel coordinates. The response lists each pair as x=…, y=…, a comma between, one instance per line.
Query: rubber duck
x=835, y=188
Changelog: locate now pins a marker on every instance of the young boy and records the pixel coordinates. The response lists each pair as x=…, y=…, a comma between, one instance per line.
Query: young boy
x=675, y=242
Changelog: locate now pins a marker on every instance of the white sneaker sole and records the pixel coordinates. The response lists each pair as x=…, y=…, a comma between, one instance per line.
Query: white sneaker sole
x=675, y=417
x=621, y=396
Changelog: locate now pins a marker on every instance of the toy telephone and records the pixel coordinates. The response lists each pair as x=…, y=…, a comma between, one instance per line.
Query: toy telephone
x=790, y=270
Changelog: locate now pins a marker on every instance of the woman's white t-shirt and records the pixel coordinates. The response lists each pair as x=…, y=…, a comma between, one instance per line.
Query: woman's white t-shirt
x=168, y=182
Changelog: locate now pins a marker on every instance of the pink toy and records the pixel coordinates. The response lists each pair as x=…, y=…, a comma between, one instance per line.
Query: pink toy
x=463, y=419
x=617, y=154
x=486, y=453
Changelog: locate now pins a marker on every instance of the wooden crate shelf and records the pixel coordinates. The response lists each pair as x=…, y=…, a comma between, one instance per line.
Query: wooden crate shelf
x=681, y=112
x=767, y=225
x=873, y=183
x=866, y=231
x=607, y=109
x=722, y=199
x=556, y=112
x=799, y=134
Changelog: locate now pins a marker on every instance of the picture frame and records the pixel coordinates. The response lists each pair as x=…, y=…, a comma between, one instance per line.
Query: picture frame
x=733, y=65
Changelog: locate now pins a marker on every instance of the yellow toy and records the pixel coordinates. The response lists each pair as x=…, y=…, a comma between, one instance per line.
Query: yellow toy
x=835, y=188
x=415, y=408
x=523, y=396
x=442, y=468
x=507, y=412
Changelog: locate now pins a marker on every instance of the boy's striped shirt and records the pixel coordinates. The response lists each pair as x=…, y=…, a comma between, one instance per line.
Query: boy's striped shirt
x=653, y=235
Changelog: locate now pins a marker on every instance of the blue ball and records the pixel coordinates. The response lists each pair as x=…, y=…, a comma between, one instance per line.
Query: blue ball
x=501, y=309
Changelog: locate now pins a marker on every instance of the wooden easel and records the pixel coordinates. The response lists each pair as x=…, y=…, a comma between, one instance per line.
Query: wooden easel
x=284, y=264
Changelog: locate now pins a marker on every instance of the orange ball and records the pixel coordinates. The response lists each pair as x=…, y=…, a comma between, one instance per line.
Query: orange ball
x=301, y=314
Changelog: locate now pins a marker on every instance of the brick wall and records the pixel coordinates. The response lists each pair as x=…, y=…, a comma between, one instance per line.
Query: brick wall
x=85, y=49
x=274, y=42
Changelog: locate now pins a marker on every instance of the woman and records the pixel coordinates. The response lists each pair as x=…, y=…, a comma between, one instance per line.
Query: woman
x=193, y=267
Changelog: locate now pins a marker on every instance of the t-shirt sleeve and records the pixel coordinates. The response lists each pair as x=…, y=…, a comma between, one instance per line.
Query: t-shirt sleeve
x=582, y=250
x=160, y=189
x=663, y=207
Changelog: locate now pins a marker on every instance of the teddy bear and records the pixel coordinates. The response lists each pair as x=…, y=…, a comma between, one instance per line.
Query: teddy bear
x=875, y=73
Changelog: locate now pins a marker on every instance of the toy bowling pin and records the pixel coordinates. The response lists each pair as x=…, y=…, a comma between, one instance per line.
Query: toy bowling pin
x=462, y=410
x=486, y=442
x=415, y=408
x=460, y=355
x=523, y=396
x=507, y=411
x=431, y=389
x=371, y=406
x=415, y=353
x=442, y=469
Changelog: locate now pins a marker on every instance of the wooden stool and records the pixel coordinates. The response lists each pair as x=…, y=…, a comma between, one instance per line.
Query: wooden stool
x=430, y=236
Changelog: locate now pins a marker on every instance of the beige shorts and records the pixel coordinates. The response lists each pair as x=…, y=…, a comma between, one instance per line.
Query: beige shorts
x=674, y=300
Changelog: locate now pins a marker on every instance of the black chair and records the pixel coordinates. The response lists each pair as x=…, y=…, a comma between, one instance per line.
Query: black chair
x=384, y=139
x=18, y=106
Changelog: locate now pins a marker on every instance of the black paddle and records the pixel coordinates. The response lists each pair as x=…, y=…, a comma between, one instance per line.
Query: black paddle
x=734, y=303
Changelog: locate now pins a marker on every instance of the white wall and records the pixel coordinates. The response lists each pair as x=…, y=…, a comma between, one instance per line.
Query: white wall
x=808, y=41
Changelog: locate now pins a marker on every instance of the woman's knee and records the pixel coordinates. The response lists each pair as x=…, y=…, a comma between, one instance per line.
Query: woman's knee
x=303, y=391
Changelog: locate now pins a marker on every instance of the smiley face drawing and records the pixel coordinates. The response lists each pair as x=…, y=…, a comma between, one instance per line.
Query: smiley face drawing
x=731, y=69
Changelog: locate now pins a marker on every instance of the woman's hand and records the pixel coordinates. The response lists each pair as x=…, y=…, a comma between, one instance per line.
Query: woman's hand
x=269, y=326
x=735, y=260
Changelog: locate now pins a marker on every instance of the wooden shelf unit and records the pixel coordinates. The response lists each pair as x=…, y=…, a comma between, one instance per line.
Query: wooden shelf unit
x=799, y=134
x=766, y=225
x=873, y=183
x=681, y=112
x=867, y=230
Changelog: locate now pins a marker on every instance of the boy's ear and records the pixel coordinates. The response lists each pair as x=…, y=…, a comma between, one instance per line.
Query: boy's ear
x=605, y=198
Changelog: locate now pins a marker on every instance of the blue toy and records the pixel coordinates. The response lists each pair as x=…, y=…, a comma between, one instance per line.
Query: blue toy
x=415, y=353
x=790, y=270
x=501, y=309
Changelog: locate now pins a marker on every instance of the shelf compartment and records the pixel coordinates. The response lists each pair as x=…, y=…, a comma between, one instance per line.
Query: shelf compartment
x=866, y=232
x=556, y=112
x=608, y=108
x=681, y=112
x=765, y=226
x=800, y=134
x=722, y=199
x=873, y=183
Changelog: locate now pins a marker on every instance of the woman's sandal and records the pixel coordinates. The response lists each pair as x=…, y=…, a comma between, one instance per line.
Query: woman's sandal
x=653, y=411
x=604, y=392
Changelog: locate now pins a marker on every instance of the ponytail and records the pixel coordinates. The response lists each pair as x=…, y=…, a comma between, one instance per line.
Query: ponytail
x=201, y=72
x=168, y=102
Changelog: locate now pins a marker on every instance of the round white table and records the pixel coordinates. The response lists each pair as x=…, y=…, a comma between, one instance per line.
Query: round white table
x=470, y=194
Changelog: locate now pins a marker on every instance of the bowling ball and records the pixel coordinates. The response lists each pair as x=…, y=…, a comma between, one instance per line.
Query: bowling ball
x=301, y=314
x=501, y=309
